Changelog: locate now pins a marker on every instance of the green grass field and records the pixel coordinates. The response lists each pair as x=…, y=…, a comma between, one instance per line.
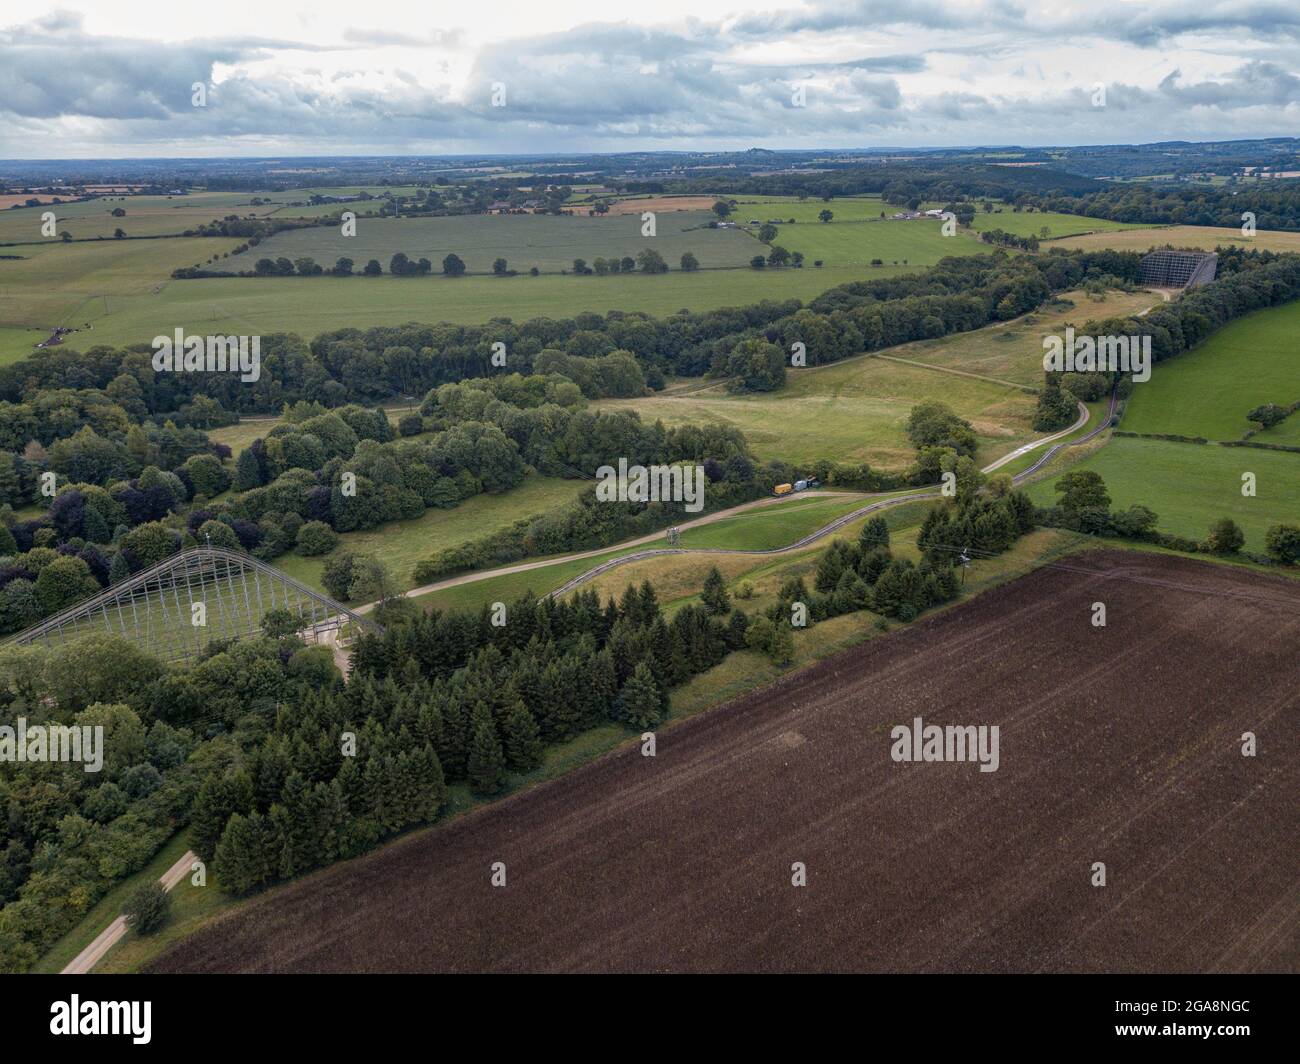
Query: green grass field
x=1190, y=485
x=1014, y=350
x=145, y=215
x=549, y=242
x=312, y=305
x=401, y=544
x=1025, y=223
x=805, y=211
x=767, y=527
x=87, y=284
x=851, y=411
x=1208, y=391
x=896, y=243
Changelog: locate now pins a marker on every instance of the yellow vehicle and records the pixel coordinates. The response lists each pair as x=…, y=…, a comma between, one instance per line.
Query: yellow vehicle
x=783, y=489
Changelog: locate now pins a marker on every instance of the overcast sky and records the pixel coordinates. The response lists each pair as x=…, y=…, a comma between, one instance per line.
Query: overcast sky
x=331, y=77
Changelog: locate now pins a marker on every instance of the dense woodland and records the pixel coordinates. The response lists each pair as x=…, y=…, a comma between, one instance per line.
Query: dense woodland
x=137, y=479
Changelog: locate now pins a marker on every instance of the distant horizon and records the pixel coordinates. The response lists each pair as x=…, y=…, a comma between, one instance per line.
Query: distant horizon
x=249, y=80
x=880, y=149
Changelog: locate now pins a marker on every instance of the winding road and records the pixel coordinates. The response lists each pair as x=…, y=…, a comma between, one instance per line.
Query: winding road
x=879, y=503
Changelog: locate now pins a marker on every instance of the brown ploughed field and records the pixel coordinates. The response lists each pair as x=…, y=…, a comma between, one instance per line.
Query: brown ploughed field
x=1119, y=745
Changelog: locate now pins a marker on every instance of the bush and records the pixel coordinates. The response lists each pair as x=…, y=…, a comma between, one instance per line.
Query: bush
x=1225, y=537
x=147, y=908
x=1283, y=544
x=316, y=537
x=410, y=425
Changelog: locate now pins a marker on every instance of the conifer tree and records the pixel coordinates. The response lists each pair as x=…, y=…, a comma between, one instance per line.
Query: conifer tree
x=523, y=745
x=714, y=595
x=118, y=569
x=638, y=702
x=875, y=533
x=487, y=761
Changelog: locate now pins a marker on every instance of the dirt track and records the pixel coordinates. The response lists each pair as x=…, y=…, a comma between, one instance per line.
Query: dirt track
x=1118, y=744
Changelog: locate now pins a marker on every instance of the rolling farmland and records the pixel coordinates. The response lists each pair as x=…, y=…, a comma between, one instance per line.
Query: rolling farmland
x=1189, y=486
x=1206, y=238
x=850, y=411
x=312, y=305
x=548, y=242
x=1208, y=391
x=960, y=878
x=145, y=215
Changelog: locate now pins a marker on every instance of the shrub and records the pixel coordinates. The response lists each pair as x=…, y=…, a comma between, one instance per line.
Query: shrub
x=1225, y=537
x=316, y=537
x=1283, y=544
x=147, y=908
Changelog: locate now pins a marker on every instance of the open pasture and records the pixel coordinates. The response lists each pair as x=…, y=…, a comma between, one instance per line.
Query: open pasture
x=312, y=305
x=1208, y=391
x=548, y=242
x=145, y=215
x=850, y=411
x=1013, y=350
x=919, y=242
x=84, y=284
x=1190, y=486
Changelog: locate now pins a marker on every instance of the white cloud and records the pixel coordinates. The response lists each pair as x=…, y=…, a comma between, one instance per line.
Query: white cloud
x=340, y=78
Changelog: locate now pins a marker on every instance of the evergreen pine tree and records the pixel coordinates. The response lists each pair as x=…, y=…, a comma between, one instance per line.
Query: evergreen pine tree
x=638, y=702
x=714, y=595
x=248, y=471
x=94, y=527
x=487, y=761
x=875, y=533
x=736, y=630
x=118, y=570
x=649, y=603
x=523, y=745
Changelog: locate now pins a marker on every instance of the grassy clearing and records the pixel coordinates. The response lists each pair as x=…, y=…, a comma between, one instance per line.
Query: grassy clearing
x=851, y=411
x=767, y=527
x=549, y=242
x=1180, y=236
x=401, y=544
x=1013, y=350
x=240, y=435
x=1190, y=486
x=312, y=305
x=1208, y=391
